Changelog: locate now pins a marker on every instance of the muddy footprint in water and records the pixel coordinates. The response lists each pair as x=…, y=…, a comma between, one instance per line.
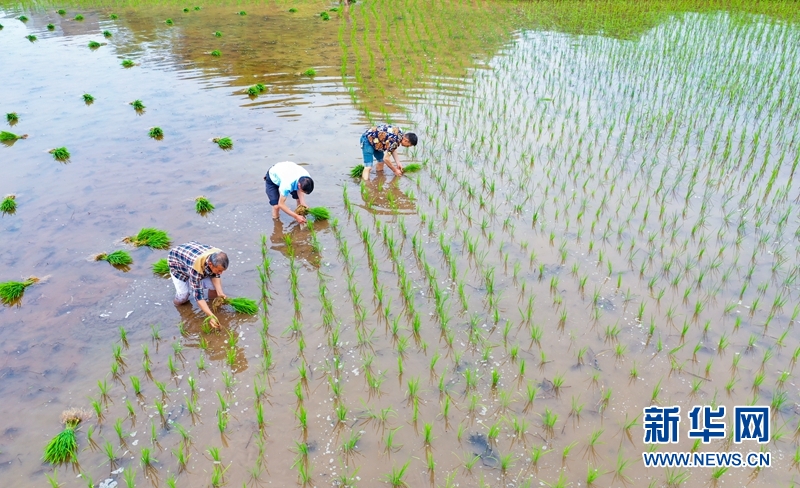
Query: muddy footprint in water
x=481, y=448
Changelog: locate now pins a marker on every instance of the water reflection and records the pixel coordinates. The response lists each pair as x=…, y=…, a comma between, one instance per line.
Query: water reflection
x=297, y=242
x=383, y=196
x=216, y=344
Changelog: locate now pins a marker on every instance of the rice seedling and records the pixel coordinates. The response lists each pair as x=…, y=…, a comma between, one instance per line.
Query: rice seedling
x=11, y=291
x=107, y=34
x=161, y=268
x=63, y=447
x=319, y=213
x=242, y=12
x=357, y=171
x=94, y=45
x=202, y=205
x=22, y=18
x=9, y=204
x=412, y=168
x=150, y=237
x=223, y=142
x=216, y=53
x=396, y=477
x=127, y=63
x=116, y=258
x=310, y=72
x=169, y=22
x=325, y=16
x=156, y=133
x=217, y=34
x=113, y=16
x=6, y=136
x=78, y=17
x=60, y=154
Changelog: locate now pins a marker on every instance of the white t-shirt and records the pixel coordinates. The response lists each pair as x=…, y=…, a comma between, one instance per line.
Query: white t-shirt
x=286, y=175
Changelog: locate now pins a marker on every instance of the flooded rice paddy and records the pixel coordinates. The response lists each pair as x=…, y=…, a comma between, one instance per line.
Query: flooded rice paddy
x=606, y=219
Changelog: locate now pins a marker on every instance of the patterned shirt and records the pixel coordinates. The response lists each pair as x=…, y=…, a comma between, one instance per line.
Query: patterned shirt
x=384, y=137
x=181, y=265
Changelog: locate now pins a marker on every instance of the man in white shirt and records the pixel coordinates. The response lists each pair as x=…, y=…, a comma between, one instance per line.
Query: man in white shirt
x=284, y=179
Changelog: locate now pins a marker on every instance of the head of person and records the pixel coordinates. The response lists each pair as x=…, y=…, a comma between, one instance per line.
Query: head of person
x=409, y=139
x=218, y=262
x=306, y=185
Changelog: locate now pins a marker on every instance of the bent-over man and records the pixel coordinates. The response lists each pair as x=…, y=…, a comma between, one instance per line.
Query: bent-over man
x=195, y=267
x=381, y=139
x=284, y=179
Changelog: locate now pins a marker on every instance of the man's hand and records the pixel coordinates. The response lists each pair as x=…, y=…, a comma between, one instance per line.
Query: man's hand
x=300, y=219
x=398, y=171
x=213, y=322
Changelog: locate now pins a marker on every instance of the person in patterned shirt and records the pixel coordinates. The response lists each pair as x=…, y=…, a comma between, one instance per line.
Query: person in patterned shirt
x=195, y=267
x=381, y=139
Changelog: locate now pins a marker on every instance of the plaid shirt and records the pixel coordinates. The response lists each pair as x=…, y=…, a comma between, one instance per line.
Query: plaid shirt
x=384, y=137
x=182, y=258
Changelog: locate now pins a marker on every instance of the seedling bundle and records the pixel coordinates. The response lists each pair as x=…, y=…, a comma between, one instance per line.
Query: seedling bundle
x=12, y=291
x=63, y=448
x=116, y=258
x=161, y=268
x=150, y=237
x=203, y=206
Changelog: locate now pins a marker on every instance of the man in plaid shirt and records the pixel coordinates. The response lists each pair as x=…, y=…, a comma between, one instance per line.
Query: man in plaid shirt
x=195, y=267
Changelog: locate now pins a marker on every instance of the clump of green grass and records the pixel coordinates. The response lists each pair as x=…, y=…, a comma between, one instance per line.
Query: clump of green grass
x=150, y=237
x=137, y=105
x=51, y=27
x=161, y=267
x=10, y=136
x=202, y=205
x=88, y=98
x=107, y=34
x=310, y=72
x=357, y=171
x=60, y=153
x=11, y=291
x=9, y=204
x=169, y=22
x=79, y=17
x=223, y=142
x=116, y=258
x=127, y=63
x=23, y=18
x=156, y=133
x=325, y=16
x=319, y=213
x=63, y=447
x=94, y=44
x=31, y=37
x=216, y=53
x=12, y=117
x=412, y=168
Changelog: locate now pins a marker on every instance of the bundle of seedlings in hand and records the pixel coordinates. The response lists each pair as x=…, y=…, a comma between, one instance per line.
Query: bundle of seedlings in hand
x=116, y=258
x=137, y=105
x=161, y=267
x=60, y=153
x=202, y=205
x=156, y=133
x=412, y=168
x=239, y=305
x=223, y=142
x=9, y=205
x=64, y=447
x=357, y=171
x=319, y=213
x=10, y=136
x=11, y=291
x=151, y=237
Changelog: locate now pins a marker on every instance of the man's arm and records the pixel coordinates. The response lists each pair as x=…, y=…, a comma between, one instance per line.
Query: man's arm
x=301, y=198
x=217, y=282
x=282, y=205
x=395, y=169
x=205, y=308
x=397, y=160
